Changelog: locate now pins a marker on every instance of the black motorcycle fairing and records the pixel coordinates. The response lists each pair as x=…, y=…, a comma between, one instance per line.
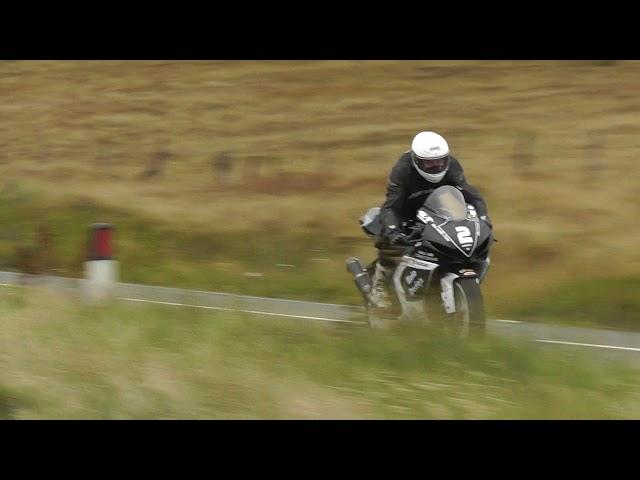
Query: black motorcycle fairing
x=452, y=227
x=453, y=238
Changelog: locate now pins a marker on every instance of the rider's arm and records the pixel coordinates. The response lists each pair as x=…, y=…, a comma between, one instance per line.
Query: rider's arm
x=389, y=212
x=470, y=193
x=472, y=196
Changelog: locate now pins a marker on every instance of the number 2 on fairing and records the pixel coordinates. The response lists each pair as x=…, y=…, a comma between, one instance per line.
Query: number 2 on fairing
x=464, y=235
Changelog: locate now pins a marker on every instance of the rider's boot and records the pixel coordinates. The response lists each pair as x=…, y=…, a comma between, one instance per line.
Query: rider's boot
x=379, y=295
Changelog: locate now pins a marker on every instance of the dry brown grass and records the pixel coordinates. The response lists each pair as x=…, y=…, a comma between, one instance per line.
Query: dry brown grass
x=552, y=145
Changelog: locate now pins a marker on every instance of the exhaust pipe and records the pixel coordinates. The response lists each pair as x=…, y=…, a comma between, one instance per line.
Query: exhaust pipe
x=360, y=276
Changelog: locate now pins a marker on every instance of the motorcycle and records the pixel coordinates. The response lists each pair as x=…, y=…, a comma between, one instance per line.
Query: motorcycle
x=438, y=276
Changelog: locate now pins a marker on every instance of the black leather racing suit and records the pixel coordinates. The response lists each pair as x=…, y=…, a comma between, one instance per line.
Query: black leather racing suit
x=407, y=191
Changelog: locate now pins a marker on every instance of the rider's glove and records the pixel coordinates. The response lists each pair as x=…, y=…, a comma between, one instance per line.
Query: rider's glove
x=396, y=238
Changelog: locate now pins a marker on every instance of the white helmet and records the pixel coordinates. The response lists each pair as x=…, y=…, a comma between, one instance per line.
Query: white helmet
x=430, y=156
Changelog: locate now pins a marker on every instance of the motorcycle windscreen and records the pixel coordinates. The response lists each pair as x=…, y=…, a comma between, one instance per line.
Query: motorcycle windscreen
x=448, y=202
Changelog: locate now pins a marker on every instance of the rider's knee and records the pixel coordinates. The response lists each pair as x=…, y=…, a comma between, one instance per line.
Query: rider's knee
x=386, y=262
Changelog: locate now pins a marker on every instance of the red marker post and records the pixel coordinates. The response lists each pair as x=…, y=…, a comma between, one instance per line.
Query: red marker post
x=100, y=267
x=100, y=242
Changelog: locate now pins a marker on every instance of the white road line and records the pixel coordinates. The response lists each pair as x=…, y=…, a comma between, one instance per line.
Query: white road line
x=256, y=312
x=234, y=295
x=588, y=345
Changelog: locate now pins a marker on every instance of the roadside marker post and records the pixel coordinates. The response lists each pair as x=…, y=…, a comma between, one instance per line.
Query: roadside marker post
x=101, y=269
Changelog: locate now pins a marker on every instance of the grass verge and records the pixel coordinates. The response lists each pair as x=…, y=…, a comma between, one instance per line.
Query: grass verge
x=62, y=359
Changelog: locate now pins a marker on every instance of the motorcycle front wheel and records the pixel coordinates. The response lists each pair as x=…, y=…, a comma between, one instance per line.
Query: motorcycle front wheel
x=469, y=318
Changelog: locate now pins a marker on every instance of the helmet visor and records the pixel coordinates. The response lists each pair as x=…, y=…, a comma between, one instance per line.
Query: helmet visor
x=432, y=166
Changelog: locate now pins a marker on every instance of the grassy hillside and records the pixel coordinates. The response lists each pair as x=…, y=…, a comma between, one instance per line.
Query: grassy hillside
x=551, y=145
x=153, y=252
x=61, y=359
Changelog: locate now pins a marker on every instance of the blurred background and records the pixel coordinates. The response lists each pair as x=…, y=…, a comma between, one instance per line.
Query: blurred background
x=250, y=176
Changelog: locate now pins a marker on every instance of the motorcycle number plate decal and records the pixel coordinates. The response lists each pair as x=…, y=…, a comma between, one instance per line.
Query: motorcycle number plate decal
x=464, y=236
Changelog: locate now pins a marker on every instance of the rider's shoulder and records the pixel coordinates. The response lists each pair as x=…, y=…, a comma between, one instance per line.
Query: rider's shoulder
x=404, y=161
x=455, y=165
x=456, y=172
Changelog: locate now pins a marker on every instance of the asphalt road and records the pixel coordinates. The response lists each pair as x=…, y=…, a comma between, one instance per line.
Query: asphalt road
x=612, y=344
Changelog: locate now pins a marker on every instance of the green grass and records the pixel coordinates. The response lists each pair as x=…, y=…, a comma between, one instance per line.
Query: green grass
x=162, y=253
x=599, y=302
x=80, y=135
x=62, y=359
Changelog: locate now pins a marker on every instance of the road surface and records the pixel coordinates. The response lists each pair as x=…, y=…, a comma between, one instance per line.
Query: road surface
x=613, y=344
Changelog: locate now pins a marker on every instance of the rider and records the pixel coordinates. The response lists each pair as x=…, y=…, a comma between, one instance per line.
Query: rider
x=418, y=172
